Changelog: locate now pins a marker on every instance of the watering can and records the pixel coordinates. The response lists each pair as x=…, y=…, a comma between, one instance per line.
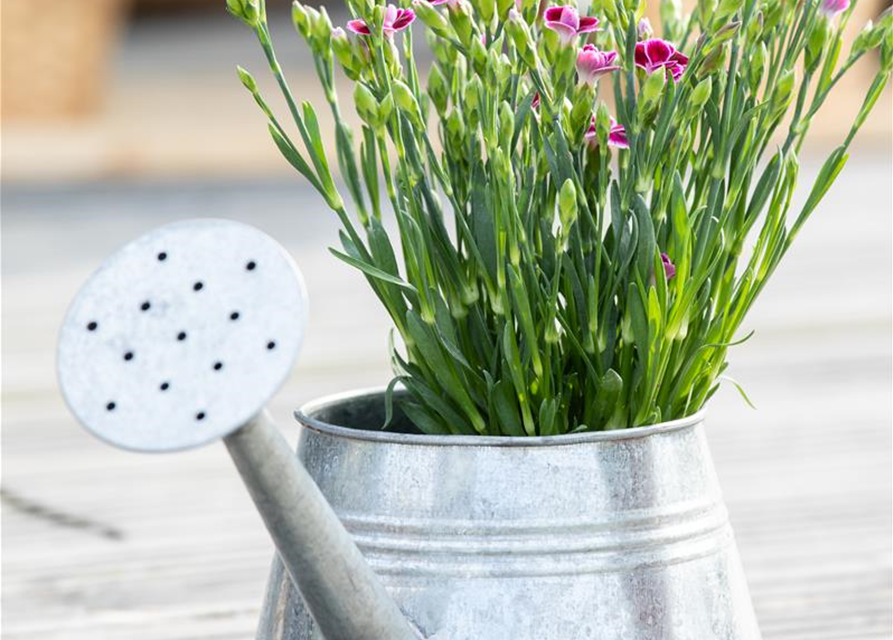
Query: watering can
x=183, y=336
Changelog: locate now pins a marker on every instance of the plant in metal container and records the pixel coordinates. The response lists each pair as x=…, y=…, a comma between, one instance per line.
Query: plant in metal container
x=566, y=265
x=573, y=276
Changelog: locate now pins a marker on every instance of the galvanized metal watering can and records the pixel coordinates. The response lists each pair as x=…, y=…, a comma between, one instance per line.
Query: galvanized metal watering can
x=183, y=336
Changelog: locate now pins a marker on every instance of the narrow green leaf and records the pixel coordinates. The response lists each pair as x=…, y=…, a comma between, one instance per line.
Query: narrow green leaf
x=374, y=272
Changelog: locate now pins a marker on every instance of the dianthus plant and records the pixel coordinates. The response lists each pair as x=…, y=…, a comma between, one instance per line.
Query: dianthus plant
x=567, y=265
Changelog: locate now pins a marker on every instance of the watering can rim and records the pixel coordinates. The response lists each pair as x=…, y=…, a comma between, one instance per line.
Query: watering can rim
x=305, y=416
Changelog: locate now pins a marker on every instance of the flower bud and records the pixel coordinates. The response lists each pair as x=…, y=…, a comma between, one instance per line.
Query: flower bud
x=581, y=112
x=247, y=80
x=520, y=35
x=869, y=38
x=406, y=102
x=376, y=24
x=602, y=124
x=701, y=94
x=367, y=106
x=815, y=46
x=670, y=15
x=478, y=55
x=322, y=31
x=504, y=71
x=455, y=126
x=503, y=7
x=443, y=51
x=432, y=18
x=784, y=92
x=609, y=8
x=567, y=206
x=460, y=18
x=248, y=11
x=654, y=87
x=727, y=8
x=755, y=28
x=486, y=9
x=438, y=90
x=887, y=52
x=506, y=125
x=772, y=13
x=757, y=67
x=644, y=29
x=715, y=60
x=474, y=92
x=345, y=54
x=386, y=108
x=300, y=18
x=885, y=20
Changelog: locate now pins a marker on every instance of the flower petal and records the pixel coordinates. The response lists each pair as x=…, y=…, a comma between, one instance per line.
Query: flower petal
x=553, y=14
x=658, y=51
x=641, y=58
x=570, y=17
x=359, y=27
x=562, y=29
x=405, y=17
x=588, y=24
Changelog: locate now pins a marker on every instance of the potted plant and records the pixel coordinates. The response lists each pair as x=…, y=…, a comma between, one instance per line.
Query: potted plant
x=573, y=276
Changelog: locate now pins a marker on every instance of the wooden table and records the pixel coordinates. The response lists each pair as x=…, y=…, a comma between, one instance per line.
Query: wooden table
x=102, y=544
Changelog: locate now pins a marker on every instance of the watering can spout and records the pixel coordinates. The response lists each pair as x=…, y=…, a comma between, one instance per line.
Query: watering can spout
x=342, y=593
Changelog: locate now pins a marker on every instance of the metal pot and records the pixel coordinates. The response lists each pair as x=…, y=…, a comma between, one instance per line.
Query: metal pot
x=610, y=535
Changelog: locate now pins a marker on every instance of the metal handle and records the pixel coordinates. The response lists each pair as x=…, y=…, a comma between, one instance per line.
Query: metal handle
x=342, y=593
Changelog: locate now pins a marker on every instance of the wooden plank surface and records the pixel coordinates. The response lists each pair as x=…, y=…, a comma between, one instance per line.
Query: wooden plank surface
x=102, y=544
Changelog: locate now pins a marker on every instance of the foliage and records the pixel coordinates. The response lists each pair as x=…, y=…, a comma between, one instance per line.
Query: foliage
x=563, y=269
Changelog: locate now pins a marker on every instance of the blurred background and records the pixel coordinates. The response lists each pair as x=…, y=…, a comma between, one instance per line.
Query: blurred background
x=122, y=115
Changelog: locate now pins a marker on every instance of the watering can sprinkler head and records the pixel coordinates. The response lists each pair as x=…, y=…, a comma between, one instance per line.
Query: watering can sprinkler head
x=181, y=338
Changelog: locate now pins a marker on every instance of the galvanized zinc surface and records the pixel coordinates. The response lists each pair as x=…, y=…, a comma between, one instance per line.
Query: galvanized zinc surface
x=100, y=543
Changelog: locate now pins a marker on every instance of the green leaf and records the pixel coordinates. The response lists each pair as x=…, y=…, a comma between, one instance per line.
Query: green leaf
x=521, y=116
x=646, y=245
x=638, y=319
x=422, y=419
x=740, y=390
x=505, y=404
x=389, y=402
x=294, y=158
x=374, y=272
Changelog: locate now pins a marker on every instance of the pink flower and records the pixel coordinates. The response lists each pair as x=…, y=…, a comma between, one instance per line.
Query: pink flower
x=669, y=267
x=659, y=54
x=832, y=7
x=592, y=64
x=394, y=20
x=567, y=22
x=535, y=103
x=616, y=135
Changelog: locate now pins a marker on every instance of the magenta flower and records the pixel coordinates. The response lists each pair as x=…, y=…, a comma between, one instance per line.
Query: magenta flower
x=669, y=267
x=567, y=23
x=592, y=64
x=832, y=7
x=616, y=135
x=659, y=54
x=394, y=20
